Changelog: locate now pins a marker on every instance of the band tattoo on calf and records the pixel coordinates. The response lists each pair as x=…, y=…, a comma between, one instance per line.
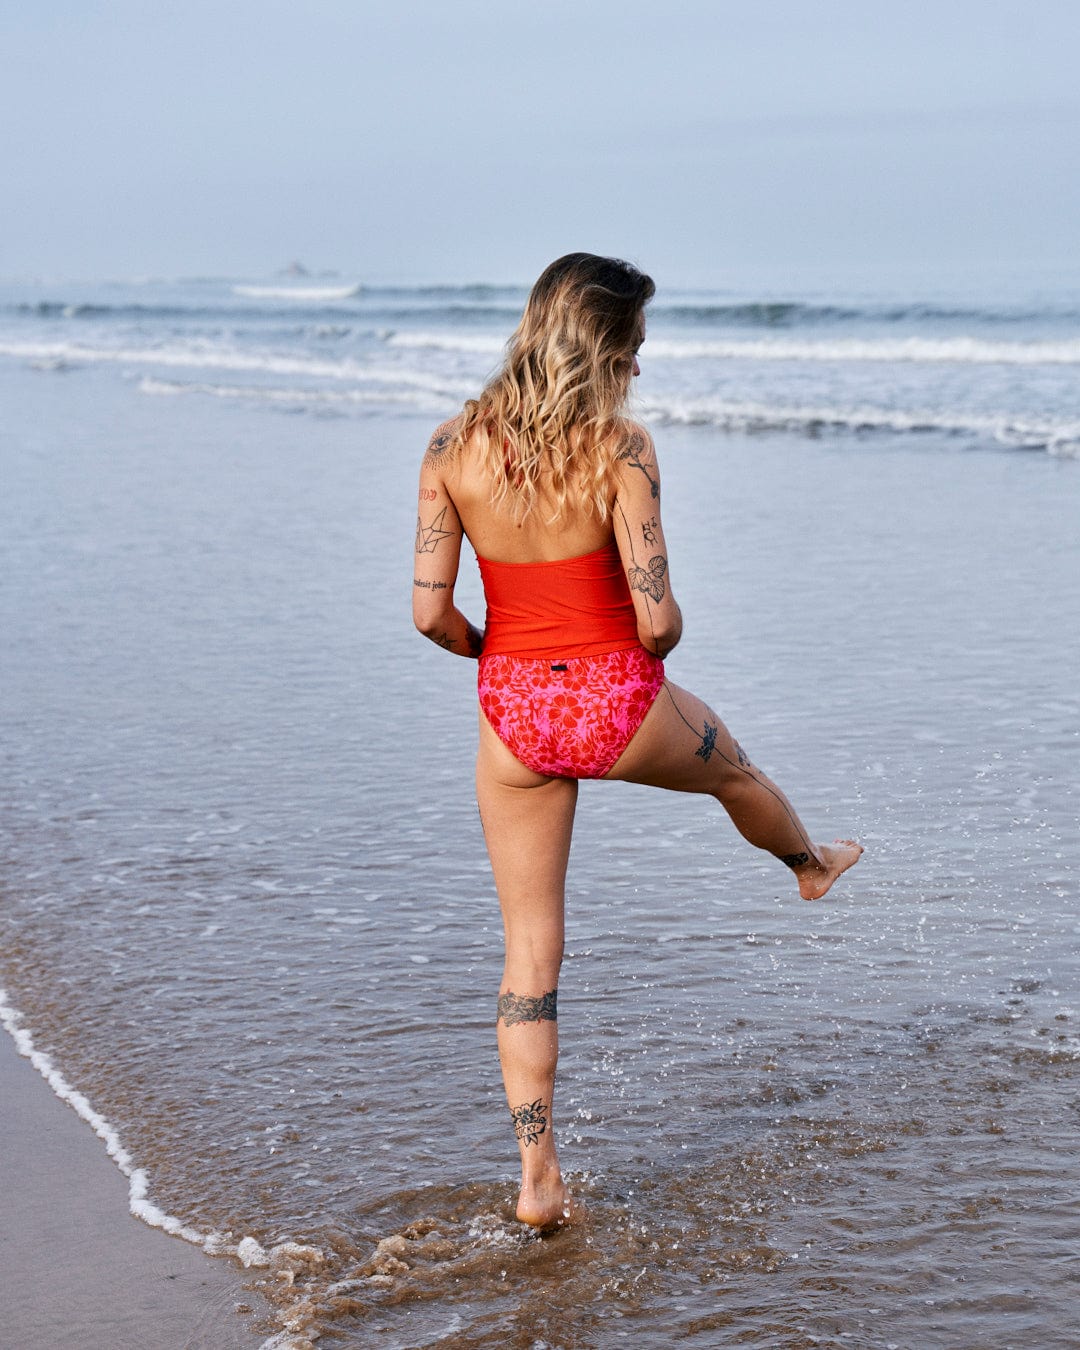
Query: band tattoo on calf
x=530, y=1120
x=795, y=859
x=516, y=1008
x=429, y=537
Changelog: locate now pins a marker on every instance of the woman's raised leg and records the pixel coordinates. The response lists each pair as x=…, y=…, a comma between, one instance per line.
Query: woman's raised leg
x=528, y=820
x=684, y=746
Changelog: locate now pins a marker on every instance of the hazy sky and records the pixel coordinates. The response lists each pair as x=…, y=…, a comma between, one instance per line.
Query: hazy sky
x=466, y=139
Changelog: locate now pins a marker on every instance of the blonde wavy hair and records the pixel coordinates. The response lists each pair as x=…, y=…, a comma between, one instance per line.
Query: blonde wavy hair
x=553, y=412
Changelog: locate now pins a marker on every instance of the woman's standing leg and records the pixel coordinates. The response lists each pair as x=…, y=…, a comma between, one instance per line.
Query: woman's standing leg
x=528, y=820
x=684, y=746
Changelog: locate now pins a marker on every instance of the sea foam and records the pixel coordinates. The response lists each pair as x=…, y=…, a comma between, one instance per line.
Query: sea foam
x=139, y=1203
x=968, y=350
x=1059, y=437
x=203, y=355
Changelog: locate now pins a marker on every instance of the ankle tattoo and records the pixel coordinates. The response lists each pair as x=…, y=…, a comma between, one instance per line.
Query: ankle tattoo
x=515, y=1008
x=795, y=859
x=530, y=1120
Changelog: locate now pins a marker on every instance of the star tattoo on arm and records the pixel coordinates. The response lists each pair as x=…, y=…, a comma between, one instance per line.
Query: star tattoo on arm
x=428, y=537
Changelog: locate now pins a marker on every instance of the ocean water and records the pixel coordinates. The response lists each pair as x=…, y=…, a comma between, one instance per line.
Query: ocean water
x=244, y=906
x=980, y=361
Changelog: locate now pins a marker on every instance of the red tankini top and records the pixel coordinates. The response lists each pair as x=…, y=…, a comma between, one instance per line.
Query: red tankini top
x=571, y=607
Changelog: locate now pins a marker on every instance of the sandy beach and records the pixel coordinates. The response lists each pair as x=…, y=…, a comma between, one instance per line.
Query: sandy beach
x=78, y=1269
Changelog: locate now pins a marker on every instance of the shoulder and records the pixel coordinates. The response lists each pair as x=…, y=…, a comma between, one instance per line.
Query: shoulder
x=637, y=471
x=445, y=443
x=633, y=442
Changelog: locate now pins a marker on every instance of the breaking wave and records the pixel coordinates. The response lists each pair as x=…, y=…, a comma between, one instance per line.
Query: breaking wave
x=1058, y=437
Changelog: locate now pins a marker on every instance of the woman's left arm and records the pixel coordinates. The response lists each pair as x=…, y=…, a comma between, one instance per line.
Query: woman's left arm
x=438, y=550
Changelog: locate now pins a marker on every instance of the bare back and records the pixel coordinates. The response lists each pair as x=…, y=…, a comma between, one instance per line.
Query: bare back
x=494, y=534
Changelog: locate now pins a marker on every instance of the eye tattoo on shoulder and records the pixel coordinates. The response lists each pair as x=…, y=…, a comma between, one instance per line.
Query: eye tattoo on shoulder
x=439, y=445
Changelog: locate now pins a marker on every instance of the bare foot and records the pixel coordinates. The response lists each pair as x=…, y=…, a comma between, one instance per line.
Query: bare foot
x=815, y=878
x=544, y=1202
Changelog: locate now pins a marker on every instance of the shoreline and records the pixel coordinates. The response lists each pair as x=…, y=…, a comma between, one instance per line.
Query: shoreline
x=78, y=1267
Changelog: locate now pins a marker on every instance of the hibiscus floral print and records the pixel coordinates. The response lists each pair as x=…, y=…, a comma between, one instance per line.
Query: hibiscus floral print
x=571, y=718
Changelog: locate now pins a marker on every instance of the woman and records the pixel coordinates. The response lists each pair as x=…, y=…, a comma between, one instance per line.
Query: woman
x=559, y=494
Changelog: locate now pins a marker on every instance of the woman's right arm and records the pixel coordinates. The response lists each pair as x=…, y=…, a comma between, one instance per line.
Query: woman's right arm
x=639, y=534
x=438, y=548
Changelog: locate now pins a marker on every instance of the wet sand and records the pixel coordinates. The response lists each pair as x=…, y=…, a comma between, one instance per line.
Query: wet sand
x=78, y=1268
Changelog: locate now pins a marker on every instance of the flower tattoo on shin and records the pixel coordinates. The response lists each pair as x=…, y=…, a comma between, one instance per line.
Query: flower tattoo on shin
x=530, y=1120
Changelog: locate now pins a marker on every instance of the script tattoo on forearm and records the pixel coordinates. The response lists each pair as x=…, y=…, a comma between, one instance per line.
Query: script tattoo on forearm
x=429, y=537
x=429, y=585
x=634, y=455
x=515, y=1008
x=530, y=1120
x=648, y=530
x=649, y=581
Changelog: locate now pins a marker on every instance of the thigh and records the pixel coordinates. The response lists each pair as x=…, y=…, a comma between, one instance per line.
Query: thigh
x=681, y=745
x=528, y=821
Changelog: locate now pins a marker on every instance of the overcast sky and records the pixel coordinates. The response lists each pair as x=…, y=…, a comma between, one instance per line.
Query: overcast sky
x=465, y=139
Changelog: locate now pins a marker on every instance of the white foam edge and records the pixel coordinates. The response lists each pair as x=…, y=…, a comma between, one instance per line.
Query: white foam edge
x=206, y=356
x=952, y=350
x=432, y=400
x=215, y=1244
x=1059, y=438
x=448, y=342
x=305, y=293
x=962, y=350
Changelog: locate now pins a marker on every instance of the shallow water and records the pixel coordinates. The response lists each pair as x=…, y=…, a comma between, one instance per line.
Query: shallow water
x=246, y=907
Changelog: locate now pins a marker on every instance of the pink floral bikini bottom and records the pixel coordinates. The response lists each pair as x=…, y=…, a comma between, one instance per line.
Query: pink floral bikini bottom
x=569, y=718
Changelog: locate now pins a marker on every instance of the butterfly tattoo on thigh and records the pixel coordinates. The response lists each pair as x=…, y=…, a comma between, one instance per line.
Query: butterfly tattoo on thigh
x=650, y=580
